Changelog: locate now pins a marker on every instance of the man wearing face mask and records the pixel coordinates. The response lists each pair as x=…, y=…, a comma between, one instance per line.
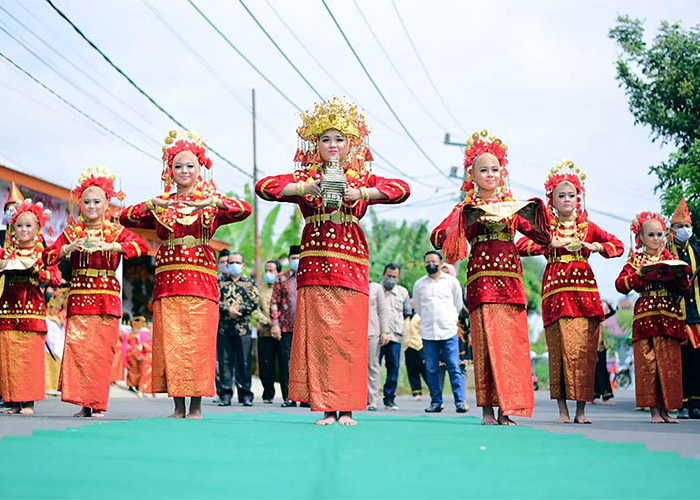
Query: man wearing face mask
x=682, y=249
x=222, y=276
x=398, y=307
x=239, y=298
x=283, y=304
x=437, y=298
x=269, y=347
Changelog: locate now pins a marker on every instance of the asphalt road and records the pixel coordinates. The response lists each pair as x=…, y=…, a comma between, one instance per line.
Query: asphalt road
x=618, y=423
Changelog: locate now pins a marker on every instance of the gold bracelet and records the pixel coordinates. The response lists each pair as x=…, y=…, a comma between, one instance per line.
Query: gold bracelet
x=300, y=188
x=214, y=202
x=149, y=204
x=364, y=193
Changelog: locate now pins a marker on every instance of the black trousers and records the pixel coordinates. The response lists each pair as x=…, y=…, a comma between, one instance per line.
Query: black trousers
x=690, y=362
x=271, y=359
x=233, y=357
x=415, y=366
x=601, y=384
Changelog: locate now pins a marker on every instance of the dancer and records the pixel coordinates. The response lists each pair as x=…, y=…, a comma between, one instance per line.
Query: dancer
x=185, y=293
x=23, y=318
x=329, y=346
x=95, y=247
x=657, y=327
x=495, y=293
x=571, y=307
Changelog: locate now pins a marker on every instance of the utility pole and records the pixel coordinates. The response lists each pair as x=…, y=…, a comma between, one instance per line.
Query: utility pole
x=255, y=199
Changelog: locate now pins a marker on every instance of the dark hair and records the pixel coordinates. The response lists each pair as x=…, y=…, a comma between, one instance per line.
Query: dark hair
x=391, y=266
x=277, y=264
x=126, y=317
x=433, y=252
x=224, y=253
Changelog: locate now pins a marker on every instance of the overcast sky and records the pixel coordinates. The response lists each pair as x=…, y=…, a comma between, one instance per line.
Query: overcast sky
x=540, y=75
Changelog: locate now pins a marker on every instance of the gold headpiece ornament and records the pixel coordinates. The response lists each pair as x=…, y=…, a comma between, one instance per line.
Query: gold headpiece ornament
x=333, y=114
x=478, y=144
x=186, y=140
x=566, y=171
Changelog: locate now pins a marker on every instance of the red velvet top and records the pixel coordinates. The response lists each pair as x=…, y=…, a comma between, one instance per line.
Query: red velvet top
x=22, y=305
x=94, y=288
x=494, y=271
x=656, y=312
x=333, y=254
x=185, y=261
x=569, y=288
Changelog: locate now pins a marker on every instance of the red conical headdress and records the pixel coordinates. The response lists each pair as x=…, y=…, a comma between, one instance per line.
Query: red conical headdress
x=682, y=214
x=15, y=196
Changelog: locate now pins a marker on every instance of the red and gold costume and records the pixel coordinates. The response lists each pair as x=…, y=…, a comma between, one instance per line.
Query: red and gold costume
x=146, y=362
x=571, y=307
x=329, y=347
x=133, y=353
x=658, y=327
x=118, y=361
x=23, y=316
x=94, y=301
x=495, y=292
x=185, y=293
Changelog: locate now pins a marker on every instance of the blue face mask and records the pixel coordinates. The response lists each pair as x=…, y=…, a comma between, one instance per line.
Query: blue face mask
x=235, y=268
x=294, y=264
x=269, y=278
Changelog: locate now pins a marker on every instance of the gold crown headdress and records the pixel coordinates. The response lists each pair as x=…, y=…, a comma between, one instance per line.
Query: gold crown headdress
x=566, y=171
x=186, y=140
x=333, y=114
x=477, y=144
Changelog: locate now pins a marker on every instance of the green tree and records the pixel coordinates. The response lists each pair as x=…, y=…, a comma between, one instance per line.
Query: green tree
x=662, y=82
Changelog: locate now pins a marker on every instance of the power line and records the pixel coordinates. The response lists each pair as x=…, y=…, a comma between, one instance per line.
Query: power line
x=403, y=80
x=376, y=87
x=76, y=109
x=425, y=69
x=137, y=87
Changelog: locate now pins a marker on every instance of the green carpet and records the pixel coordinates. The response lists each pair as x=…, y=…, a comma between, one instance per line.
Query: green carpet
x=277, y=455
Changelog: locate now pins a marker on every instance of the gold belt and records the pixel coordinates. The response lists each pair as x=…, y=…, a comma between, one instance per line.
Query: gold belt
x=188, y=241
x=566, y=258
x=490, y=237
x=93, y=273
x=655, y=293
x=20, y=279
x=336, y=217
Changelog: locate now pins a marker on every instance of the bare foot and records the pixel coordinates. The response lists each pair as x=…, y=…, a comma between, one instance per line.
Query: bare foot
x=667, y=418
x=28, y=408
x=345, y=418
x=84, y=412
x=98, y=414
x=607, y=403
x=505, y=419
x=656, y=416
x=563, y=419
x=13, y=410
x=417, y=397
x=657, y=420
x=329, y=418
x=582, y=419
x=179, y=408
x=195, y=408
x=487, y=417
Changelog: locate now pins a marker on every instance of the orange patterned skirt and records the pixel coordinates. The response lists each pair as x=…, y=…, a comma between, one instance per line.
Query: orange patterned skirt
x=184, y=346
x=328, y=367
x=502, y=370
x=87, y=360
x=572, y=345
x=146, y=369
x=133, y=372
x=658, y=378
x=117, y=372
x=21, y=366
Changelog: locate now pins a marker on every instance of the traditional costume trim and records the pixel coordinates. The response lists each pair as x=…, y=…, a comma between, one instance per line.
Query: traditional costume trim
x=185, y=267
x=570, y=289
x=480, y=274
x=336, y=255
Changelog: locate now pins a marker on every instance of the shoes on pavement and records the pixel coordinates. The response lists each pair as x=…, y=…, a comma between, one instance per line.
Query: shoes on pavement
x=461, y=408
x=390, y=405
x=247, y=402
x=695, y=413
x=267, y=401
x=225, y=401
x=433, y=409
x=289, y=404
x=417, y=397
x=304, y=405
x=371, y=408
x=683, y=414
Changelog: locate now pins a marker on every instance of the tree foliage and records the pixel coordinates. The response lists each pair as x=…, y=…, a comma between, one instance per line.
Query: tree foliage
x=662, y=82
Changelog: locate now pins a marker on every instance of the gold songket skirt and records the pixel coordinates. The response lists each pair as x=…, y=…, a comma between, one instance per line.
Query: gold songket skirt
x=21, y=366
x=658, y=378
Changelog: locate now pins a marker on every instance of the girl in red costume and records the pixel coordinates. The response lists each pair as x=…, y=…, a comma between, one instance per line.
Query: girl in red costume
x=486, y=222
x=658, y=327
x=95, y=247
x=329, y=347
x=185, y=293
x=571, y=307
x=23, y=310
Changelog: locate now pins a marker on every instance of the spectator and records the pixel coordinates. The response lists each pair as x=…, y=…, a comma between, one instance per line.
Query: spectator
x=438, y=299
x=413, y=353
x=376, y=328
x=223, y=276
x=269, y=347
x=238, y=299
x=283, y=306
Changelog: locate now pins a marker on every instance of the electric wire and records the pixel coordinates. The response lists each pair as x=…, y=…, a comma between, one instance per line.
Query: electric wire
x=381, y=94
x=138, y=88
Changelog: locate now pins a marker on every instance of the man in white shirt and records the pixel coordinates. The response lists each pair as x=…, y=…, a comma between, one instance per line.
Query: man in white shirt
x=376, y=329
x=437, y=297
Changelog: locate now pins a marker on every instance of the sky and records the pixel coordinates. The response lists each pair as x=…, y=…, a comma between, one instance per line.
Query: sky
x=540, y=75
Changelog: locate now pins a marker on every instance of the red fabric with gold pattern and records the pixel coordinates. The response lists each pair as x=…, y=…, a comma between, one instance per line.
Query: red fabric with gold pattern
x=569, y=287
x=657, y=373
x=94, y=288
x=333, y=254
x=185, y=261
x=656, y=312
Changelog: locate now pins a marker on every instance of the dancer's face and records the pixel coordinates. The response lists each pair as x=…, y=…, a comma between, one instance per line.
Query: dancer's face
x=93, y=204
x=185, y=169
x=333, y=143
x=652, y=235
x=564, y=198
x=26, y=228
x=486, y=172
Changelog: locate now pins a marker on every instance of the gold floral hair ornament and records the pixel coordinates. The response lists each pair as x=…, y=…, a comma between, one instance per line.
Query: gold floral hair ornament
x=175, y=143
x=339, y=115
x=100, y=177
x=477, y=144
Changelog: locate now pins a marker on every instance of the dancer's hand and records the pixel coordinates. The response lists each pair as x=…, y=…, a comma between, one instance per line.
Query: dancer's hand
x=72, y=247
x=352, y=194
x=557, y=243
x=313, y=188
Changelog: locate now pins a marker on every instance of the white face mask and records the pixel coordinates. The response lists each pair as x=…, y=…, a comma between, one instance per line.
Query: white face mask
x=683, y=234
